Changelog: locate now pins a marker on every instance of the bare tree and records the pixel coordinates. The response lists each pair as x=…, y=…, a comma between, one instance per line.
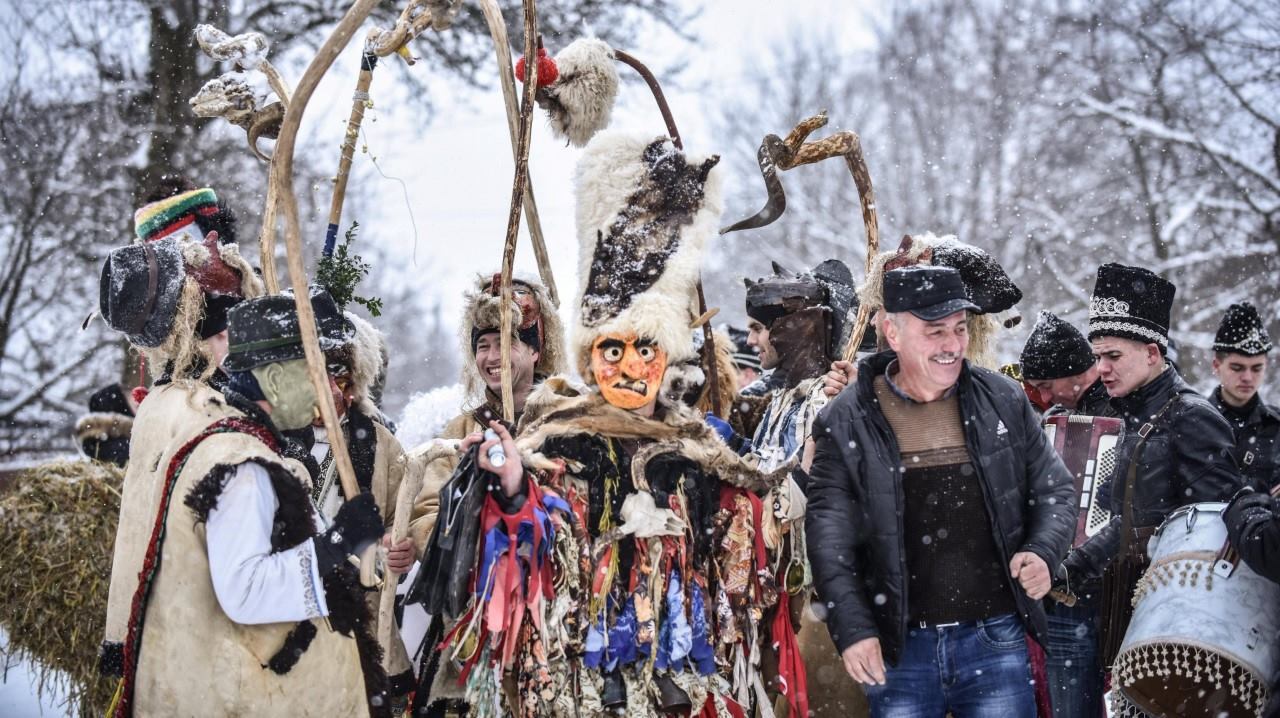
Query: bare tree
x=95, y=110
x=1053, y=137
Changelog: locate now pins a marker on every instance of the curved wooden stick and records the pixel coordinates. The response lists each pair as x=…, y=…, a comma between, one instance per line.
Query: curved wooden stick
x=282, y=177
x=507, y=77
x=517, y=197
x=409, y=487
x=777, y=154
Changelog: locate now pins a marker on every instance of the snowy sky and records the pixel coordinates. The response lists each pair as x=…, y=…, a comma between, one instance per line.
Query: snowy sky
x=457, y=171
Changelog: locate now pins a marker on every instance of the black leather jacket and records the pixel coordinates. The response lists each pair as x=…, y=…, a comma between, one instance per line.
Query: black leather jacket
x=854, y=518
x=1186, y=459
x=1257, y=430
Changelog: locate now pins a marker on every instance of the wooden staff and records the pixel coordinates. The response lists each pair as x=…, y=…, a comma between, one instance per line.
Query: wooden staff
x=704, y=317
x=517, y=197
x=502, y=47
x=282, y=178
x=359, y=100
x=778, y=154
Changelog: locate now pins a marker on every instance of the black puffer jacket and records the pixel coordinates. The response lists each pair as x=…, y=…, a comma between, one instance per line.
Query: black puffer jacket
x=854, y=520
x=1187, y=459
x=1257, y=430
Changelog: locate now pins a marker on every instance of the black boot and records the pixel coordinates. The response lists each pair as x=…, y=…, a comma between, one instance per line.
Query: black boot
x=671, y=697
x=614, y=694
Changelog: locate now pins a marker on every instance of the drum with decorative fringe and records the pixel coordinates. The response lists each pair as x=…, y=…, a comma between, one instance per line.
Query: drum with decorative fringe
x=1202, y=641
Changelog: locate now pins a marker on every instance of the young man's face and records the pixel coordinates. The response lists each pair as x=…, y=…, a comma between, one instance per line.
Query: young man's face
x=758, y=337
x=1240, y=376
x=1125, y=365
x=1066, y=390
x=489, y=362
x=930, y=353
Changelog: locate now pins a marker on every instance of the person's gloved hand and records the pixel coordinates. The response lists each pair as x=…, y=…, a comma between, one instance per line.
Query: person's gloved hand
x=358, y=524
x=1244, y=502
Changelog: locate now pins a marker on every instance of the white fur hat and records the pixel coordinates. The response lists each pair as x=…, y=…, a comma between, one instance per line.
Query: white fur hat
x=644, y=213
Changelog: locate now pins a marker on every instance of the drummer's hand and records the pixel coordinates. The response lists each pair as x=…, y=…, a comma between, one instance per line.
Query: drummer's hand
x=1032, y=572
x=835, y=381
x=864, y=662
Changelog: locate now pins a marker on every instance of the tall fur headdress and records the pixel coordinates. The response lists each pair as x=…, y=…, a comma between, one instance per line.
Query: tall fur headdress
x=483, y=310
x=644, y=212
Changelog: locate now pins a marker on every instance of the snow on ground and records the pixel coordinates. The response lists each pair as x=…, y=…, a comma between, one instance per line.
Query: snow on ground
x=18, y=689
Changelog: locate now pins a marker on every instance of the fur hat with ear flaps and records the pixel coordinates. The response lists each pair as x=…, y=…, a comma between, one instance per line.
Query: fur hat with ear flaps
x=644, y=213
x=533, y=320
x=986, y=285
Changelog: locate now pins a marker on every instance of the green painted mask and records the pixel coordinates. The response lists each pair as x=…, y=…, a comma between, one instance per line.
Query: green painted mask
x=288, y=389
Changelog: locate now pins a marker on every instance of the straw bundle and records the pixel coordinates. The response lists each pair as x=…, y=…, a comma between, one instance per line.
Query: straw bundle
x=57, y=528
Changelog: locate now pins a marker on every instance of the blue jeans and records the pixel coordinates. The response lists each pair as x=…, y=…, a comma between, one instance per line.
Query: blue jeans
x=1075, y=678
x=977, y=669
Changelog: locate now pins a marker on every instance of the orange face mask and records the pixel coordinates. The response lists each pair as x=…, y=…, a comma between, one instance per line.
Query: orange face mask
x=628, y=370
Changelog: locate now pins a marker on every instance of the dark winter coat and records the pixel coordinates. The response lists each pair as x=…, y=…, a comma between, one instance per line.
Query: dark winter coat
x=1257, y=430
x=1253, y=525
x=854, y=522
x=1186, y=459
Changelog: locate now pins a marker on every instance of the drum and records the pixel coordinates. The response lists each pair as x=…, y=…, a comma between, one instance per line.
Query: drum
x=1087, y=446
x=1202, y=641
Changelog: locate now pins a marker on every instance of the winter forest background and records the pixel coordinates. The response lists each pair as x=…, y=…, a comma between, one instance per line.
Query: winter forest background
x=1056, y=135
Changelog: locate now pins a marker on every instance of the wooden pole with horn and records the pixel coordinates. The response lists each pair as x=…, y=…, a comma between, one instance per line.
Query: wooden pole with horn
x=777, y=154
x=517, y=197
x=506, y=75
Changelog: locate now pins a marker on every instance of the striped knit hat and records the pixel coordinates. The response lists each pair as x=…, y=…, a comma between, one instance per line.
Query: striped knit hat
x=174, y=215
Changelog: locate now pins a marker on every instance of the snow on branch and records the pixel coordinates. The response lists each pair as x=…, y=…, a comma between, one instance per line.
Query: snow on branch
x=1158, y=130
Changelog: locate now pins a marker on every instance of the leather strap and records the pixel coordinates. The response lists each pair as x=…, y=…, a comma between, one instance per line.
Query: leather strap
x=1131, y=476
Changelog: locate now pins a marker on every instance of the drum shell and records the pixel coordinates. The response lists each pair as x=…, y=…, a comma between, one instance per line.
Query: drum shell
x=1182, y=602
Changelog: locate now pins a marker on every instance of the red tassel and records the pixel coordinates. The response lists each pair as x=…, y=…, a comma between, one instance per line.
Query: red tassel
x=139, y=393
x=547, y=70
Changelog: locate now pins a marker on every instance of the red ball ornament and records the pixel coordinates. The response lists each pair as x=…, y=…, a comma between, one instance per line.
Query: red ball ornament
x=139, y=393
x=547, y=70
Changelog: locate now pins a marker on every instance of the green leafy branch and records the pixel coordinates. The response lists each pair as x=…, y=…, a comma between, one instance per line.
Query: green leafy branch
x=343, y=271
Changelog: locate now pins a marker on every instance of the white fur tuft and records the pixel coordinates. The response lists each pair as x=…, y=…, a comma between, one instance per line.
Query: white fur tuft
x=584, y=90
x=610, y=172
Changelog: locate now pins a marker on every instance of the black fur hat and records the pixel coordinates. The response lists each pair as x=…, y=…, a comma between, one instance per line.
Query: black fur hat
x=1242, y=332
x=1055, y=349
x=1133, y=303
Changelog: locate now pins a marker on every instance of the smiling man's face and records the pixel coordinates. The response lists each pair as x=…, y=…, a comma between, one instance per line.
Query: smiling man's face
x=628, y=370
x=930, y=353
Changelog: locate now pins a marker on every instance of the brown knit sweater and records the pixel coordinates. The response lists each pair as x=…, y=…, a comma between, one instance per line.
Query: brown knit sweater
x=954, y=568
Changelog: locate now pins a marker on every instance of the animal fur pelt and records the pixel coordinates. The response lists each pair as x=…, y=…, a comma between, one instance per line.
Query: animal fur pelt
x=483, y=309
x=103, y=425
x=580, y=101
x=368, y=363
x=644, y=212
x=556, y=409
x=982, y=327
x=687, y=382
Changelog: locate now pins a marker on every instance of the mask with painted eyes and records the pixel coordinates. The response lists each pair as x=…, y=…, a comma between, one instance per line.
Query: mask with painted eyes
x=628, y=370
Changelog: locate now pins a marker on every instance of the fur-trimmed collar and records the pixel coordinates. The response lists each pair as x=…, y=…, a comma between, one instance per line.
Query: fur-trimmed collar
x=557, y=408
x=103, y=425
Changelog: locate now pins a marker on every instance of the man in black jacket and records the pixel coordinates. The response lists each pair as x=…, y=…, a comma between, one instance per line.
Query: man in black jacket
x=1240, y=360
x=936, y=505
x=1176, y=449
x=1057, y=361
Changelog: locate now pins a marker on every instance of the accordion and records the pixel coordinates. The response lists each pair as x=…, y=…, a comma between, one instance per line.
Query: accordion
x=1087, y=445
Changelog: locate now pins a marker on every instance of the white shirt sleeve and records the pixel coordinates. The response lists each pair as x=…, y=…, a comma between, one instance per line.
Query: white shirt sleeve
x=254, y=585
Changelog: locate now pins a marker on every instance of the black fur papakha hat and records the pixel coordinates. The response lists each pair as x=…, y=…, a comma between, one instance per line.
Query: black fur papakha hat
x=1055, y=349
x=139, y=290
x=1133, y=303
x=1242, y=332
x=265, y=330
